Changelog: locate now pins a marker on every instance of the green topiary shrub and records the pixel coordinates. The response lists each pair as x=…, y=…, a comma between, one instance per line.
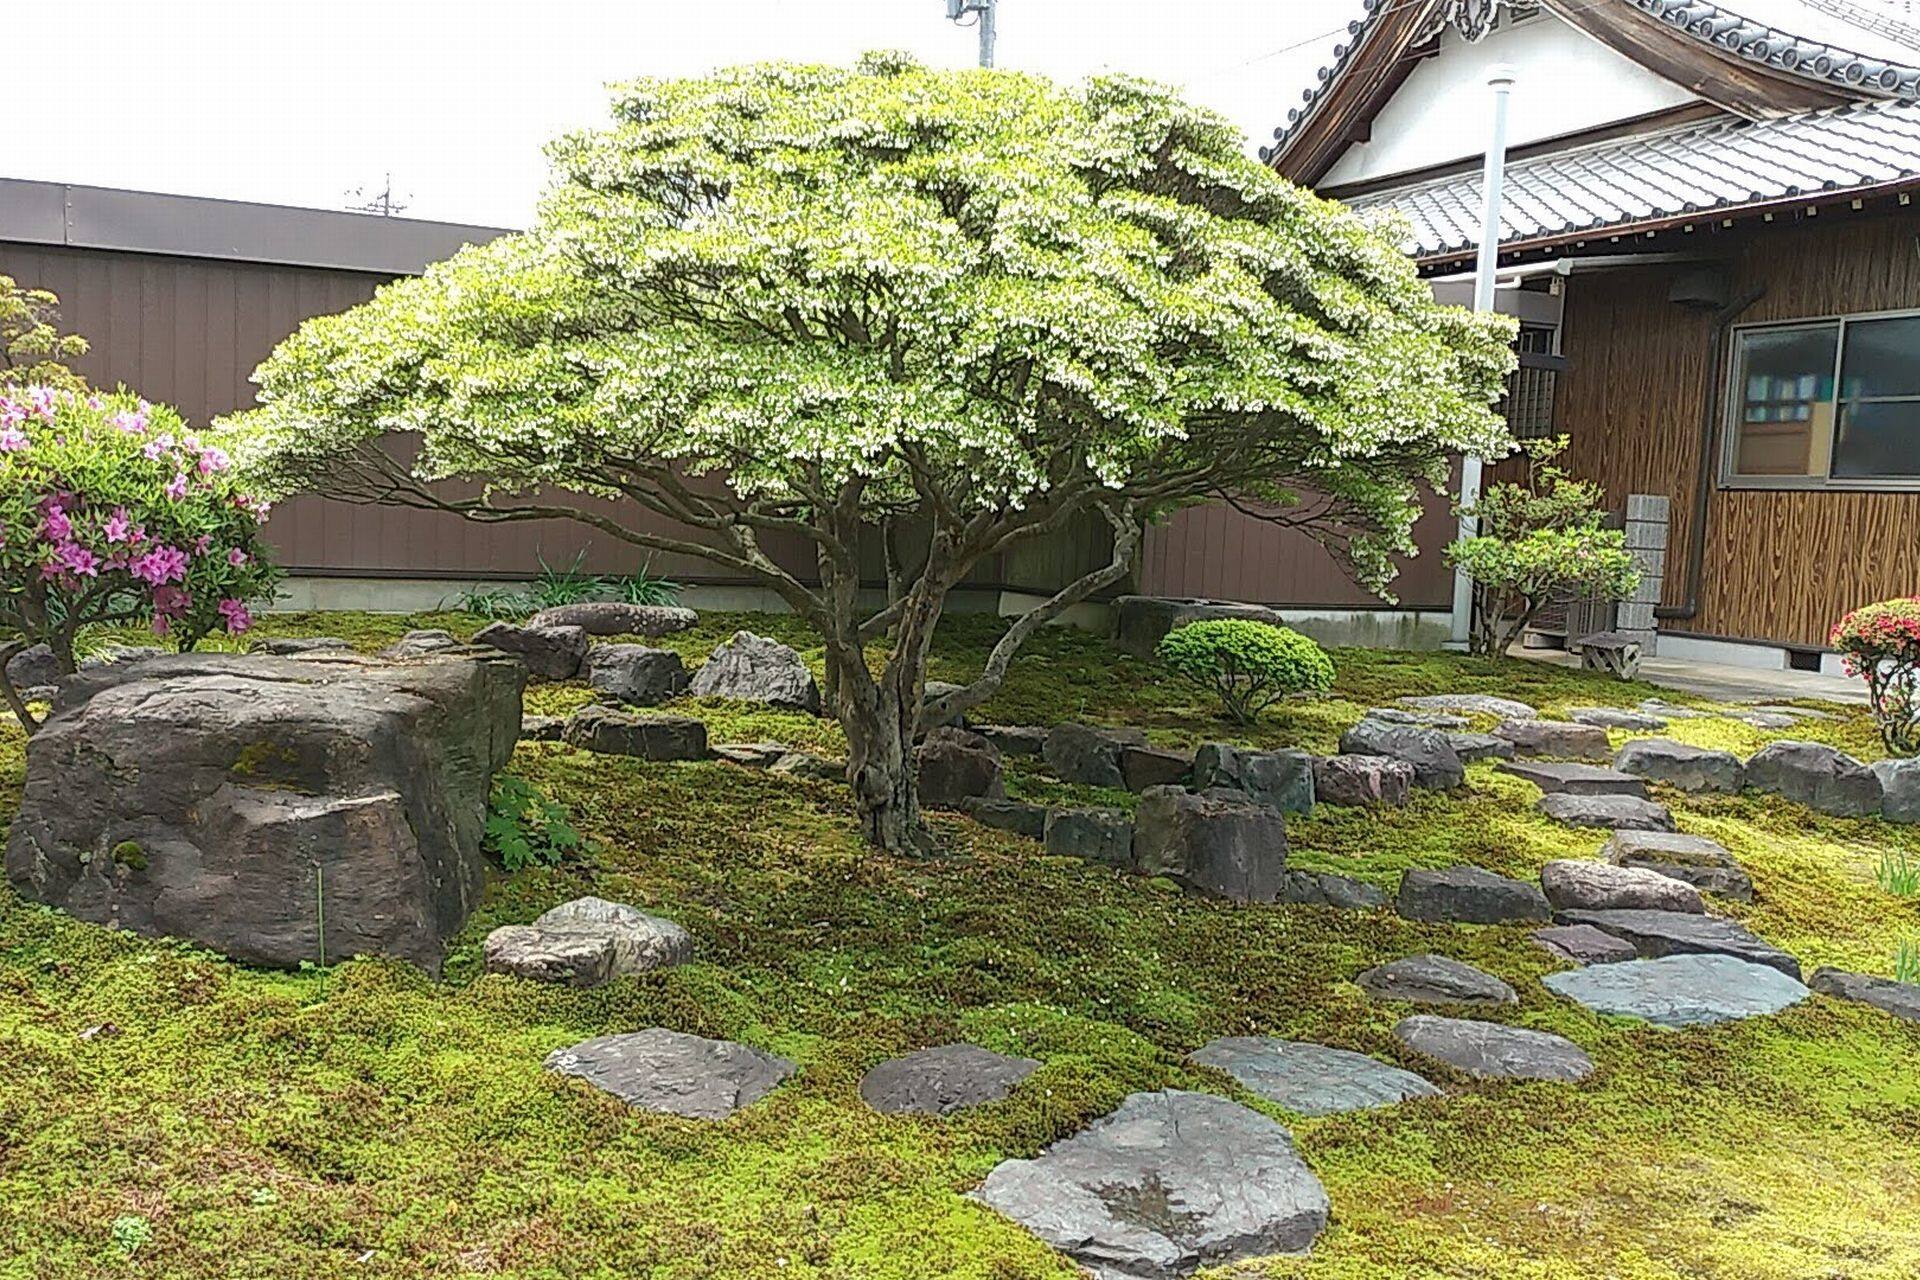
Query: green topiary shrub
x=1250, y=665
x=1881, y=644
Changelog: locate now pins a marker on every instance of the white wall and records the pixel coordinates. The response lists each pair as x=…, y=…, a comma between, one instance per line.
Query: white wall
x=1568, y=83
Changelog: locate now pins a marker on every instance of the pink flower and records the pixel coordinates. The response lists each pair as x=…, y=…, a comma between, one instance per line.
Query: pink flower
x=133, y=424
x=57, y=525
x=160, y=624
x=41, y=400
x=171, y=602
x=153, y=450
x=118, y=526
x=202, y=544
x=160, y=566
x=236, y=557
x=76, y=560
x=177, y=487
x=235, y=613
x=212, y=461
x=12, y=439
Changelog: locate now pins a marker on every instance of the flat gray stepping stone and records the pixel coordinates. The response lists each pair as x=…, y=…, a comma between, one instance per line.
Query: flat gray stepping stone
x=1901, y=999
x=1495, y=1052
x=1681, y=990
x=1672, y=710
x=1667, y=933
x=673, y=1072
x=1313, y=1079
x=1432, y=979
x=1469, y=895
x=1583, y=944
x=1702, y=863
x=1574, y=779
x=1431, y=719
x=942, y=1080
x=1472, y=704
x=1168, y=1183
x=1682, y=766
x=1325, y=889
x=1480, y=746
x=1617, y=718
x=1618, y=813
x=1601, y=886
x=1556, y=738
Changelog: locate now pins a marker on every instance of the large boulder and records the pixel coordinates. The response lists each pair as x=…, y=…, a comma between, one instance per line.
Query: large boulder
x=1469, y=895
x=673, y=1072
x=955, y=766
x=1362, y=780
x=751, y=668
x=1312, y=1079
x=1017, y=816
x=636, y=674
x=1144, y=767
x=942, y=1080
x=613, y=618
x=1559, y=739
x=1678, y=765
x=1901, y=999
x=641, y=942
x=34, y=667
x=1141, y=621
x=291, y=646
x=1081, y=753
x=1279, y=779
x=1615, y=813
x=1702, y=863
x=1232, y=849
x=1095, y=835
x=239, y=800
x=548, y=653
x=1671, y=933
x=1431, y=979
x=1573, y=885
x=1168, y=1183
x=1899, y=788
x=649, y=736
x=1574, y=779
x=1435, y=763
x=1680, y=990
x=1495, y=1052
x=1014, y=739
x=1817, y=776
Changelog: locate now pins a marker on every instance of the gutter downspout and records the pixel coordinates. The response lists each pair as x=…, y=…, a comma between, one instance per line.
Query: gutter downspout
x=1703, y=479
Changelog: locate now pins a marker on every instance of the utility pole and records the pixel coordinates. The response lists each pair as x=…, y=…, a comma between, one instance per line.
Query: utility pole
x=380, y=202
x=957, y=11
x=1500, y=79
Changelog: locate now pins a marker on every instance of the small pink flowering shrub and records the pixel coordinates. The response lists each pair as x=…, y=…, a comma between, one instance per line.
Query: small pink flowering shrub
x=1881, y=644
x=111, y=511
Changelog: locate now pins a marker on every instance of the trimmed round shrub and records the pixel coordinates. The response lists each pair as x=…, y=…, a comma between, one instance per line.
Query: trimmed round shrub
x=1250, y=665
x=1881, y=644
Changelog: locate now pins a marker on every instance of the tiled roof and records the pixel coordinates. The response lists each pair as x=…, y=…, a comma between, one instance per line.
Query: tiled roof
x=1757, y=42
x=1324, y=79
x=1715, y=167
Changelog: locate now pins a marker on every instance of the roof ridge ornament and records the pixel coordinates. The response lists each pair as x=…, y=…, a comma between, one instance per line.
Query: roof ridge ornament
x=1473, y=19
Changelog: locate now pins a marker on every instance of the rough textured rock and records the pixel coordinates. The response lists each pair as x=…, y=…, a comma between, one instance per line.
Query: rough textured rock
x=563, y=957
x=1699, y=861
x=1817, y=776
x=1016, y=816
x=1901, y=999
x=613, y=732
x=635, y=674
x=805, y=764
x=1166, y=1184
x=752, y=755
x=1471, y=704
x=955, y=766
x=1671, y=933
x=1435, y=763
x=1144, y=767
x=34, y=667
x=548, y=653
x=1014, y=739
x=751, y=668
x=641, y=942
x=1279, y=779
x=416, y=644
x=1681, y=990
x=1312, y=1079
x=943, y=1080
x=1671, y=710
x=1480, y=746
x=1617, y=718
x=195, y=795
x=1899, y=789
x=931, y=692
x=1617, y=813
x=1325, y=889
x=1494, y=1052
x=1574, y=779
x=1431, y=719
x=1679, y=765
x=293, y=646
x=670, y=1071
x=1097, y=835
x=1602, y=886
x=1583, y=944
x=1141, y=621
x=541, y=728
x=1232, y=850
x=1084, y=754
x=1431, y=979
x=1469, y=895
x=1559, y=739
x=612, y=618
x=1362, y=780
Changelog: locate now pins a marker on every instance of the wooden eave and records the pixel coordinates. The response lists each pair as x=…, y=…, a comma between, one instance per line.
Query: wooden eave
x=1344, y=111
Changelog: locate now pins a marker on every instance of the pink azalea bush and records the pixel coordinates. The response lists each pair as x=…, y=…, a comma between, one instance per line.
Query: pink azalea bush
x=1881, y=644
x=113, y=512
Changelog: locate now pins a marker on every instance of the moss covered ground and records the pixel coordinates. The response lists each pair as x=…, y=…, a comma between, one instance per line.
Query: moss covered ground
x=366, y=1121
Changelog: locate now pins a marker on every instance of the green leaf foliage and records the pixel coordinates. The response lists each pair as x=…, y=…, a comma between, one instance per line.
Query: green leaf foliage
x=525, y=828
x=1250, y=665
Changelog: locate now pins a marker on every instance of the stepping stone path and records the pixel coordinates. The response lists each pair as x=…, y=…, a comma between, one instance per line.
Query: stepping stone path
x=635, y=674
x=1901, y=999
x=1362, y=780
x=1324, y=889
x=613, y=618
x=1816, y=775
x=1480, y=746
x=1900, y=789
x=647, y=736
x=1083, y=754
x=1435, y=763
x=1095, y=835
x=1553, y=776
x=1312, y=1079
x=1495, y=1052
x=1556, y=738
x=1583, y=944
x=1279, y=779
x=1682, y=766
x=673, y=1072
x=1616, y=812
x=1469, y=895
x=1699, y=861
x=1665, y=933
x=1680, y=990
x=954, y=766
x=1431, y=979
x=1218, y=843
x=585, y=942
x=943, y=1080
x=1616, y=718
x=1168, y=1183
x=548, y=653
x=751, y=668
x=1472, y=704
x=1601, y=886
x=1017, y=816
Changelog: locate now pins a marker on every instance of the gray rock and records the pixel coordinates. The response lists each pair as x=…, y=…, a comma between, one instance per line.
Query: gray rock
x=675, y=1073
x=751, y=755
x=1680, y=990
x=1279, y=779
x=1472, y=704
x=1618, y=813
x=1574, y=779
x=563, y=957
x=1797, y=713
x=1901, y=999
x=415, y=644
x=1817, y=776
x=635, y=674
x=1144, y=767
x=1494, y=1052
x=1362, y=780
x=1097, y=835
x=1556, y=738
x=1141, y=621
x=943, y=1080
x=1325, y=889
x=1081, y=753
x=541, y=728
x=751, y=668
x=1899, y=789
x=612, y=618
x=1764, y=719
x=1699, y=861
x=1603, y=886
x=1232, y=850
x=107, y=655
x=1431, y=979
x=33, y=667
x=1671, y=710
x=1016, y=816
x=954, y=766
x=195, y=795
x=294, y=646
x=641, y=942
x=1312, y=1079
x=1679, y=765
x=1616, y=718
x=1670, y=933
x=613, y=732
x=1583, y=944
x=1166, y=1184
x=931, y=692
x=1469, y=895
x=1435, y=763
x=549, y=653
x=805, y=764
x=1480, y=746
x=1014, y=739
x=1431, y=719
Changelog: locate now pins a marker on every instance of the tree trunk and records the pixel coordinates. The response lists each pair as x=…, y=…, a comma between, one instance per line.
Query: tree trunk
x=879, y=729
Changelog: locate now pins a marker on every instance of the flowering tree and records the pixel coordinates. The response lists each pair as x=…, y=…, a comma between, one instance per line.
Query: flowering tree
x=954, y=310
x=1880, y=643
x=111, y=512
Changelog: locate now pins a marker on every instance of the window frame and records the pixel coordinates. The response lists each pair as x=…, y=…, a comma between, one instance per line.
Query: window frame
x=1732, y=399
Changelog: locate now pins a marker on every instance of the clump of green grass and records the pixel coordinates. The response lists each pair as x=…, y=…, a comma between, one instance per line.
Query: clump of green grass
x=1898, y=874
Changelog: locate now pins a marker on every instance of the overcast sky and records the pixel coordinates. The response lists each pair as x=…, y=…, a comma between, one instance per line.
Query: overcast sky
x=296, y=101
